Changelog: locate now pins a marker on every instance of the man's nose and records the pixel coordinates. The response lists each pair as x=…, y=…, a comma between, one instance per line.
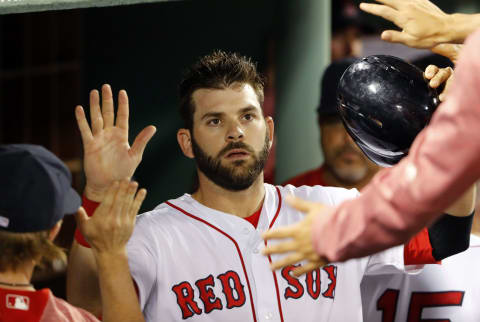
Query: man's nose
x=235, y=132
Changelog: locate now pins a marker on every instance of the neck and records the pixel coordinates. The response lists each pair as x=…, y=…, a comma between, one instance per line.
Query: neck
x=239, y=203
x=20, y=279
x=332, y=180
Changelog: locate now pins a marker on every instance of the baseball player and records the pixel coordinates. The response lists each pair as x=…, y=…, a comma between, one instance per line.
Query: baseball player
x=36, y=194
x=447, y=292
x=199, y=256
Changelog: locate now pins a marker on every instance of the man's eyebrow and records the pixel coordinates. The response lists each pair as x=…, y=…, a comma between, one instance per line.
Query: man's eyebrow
x=248, y=109
x=212, y=114
x=244, y=110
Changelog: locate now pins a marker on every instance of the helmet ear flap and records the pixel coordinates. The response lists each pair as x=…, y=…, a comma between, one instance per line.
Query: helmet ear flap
x=384, y=102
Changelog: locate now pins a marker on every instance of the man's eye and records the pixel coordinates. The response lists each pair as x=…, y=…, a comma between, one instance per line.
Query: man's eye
x=214, y=122
x=248, y=117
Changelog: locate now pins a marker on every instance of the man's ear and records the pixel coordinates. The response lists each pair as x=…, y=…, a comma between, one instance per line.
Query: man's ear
x=54, y=230
x=184, y=138
x=270, y=128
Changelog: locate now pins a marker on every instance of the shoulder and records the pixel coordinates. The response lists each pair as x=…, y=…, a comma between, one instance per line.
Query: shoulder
x=308, y=178
x=327, y=195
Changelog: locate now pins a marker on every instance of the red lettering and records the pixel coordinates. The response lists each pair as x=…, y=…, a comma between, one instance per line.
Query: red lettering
x=420, y=300
x=295, y=290
x=331, y=271
x=228, y=289
x=185, y=293
x=387, y=303
x=210, y=301
x=313, y=291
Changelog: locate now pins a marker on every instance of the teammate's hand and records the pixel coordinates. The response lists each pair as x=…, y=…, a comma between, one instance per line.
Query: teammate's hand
x=451, y=51
x=423, y=24
x=438, y=76
x=298, y=239
x=107, y=153
x=111, y=226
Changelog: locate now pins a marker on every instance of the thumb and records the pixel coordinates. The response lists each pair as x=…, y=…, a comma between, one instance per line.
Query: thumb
x=142, y=139
x=81, y=218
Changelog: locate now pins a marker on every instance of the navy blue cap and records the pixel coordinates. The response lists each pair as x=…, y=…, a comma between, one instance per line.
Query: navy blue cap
x=35, y=189
x=330, y=80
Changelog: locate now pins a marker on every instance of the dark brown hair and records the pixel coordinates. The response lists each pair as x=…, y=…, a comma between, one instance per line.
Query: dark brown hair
x=217, y=70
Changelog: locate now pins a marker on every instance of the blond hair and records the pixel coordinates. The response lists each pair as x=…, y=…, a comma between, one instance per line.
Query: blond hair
x=17, y=249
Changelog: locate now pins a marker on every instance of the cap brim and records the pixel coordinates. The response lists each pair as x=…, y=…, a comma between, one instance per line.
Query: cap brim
x=72, y=202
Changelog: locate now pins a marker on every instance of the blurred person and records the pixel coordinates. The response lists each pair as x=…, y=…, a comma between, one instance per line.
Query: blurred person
x=348, y=27
x=199, y=256
x=344, y=163
x=441, y=166
x=36, y=194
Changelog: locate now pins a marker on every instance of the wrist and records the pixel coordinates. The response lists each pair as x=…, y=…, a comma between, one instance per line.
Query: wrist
x=110, y=257
x=93, y=193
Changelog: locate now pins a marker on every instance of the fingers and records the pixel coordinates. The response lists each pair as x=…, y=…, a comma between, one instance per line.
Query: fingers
x=120, y=197
x=128, y=199
x=82, y=123
x=303, y=269
x=280, y=248
x=95, y=112
x=288, y=260
x=443, y=95
x=385, y=12
x=108, y=201
x=437, y=75
x=430, y=71
x=141, y=141
x=137, y=202
x=300, y=204
x=107, y=106
x=441, y=77
x=122, y=113
x=282, y=232
x=81, y=218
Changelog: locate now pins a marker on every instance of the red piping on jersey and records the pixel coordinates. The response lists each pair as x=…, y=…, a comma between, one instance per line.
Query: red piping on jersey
x=234, y=242
x=270, y=259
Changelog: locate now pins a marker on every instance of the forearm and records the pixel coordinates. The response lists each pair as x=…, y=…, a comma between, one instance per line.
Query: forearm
x=464, y=206
x=120, y=301
x=462, y=25
x=83, y=289
x=442, y=163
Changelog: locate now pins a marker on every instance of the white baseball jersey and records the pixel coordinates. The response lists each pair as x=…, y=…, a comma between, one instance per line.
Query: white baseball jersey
x=447, y=292
x=195, y=263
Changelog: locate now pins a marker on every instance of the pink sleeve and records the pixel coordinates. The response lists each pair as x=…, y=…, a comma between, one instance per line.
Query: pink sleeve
x=443, y=162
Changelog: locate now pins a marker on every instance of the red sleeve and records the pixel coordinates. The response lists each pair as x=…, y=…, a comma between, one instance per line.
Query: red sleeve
x=89, y=207
x=419, y=250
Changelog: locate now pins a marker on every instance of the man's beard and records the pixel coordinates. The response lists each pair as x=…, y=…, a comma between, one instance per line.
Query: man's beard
x=237, y=176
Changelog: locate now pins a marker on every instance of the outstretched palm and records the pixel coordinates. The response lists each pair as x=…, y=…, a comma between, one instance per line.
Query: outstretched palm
x=107, y=153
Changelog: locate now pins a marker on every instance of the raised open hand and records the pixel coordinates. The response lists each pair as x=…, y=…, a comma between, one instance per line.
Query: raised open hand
x=107, y=153
x=423, y=24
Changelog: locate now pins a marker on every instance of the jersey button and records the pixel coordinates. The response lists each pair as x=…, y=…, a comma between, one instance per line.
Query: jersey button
x=246, y=231
x=269, y=316
x=255, y=250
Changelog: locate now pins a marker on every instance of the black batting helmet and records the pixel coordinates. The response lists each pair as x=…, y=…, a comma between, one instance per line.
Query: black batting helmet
x=384, y=102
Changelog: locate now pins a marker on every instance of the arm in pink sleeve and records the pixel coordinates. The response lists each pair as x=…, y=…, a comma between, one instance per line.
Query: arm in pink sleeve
x=443, y=162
